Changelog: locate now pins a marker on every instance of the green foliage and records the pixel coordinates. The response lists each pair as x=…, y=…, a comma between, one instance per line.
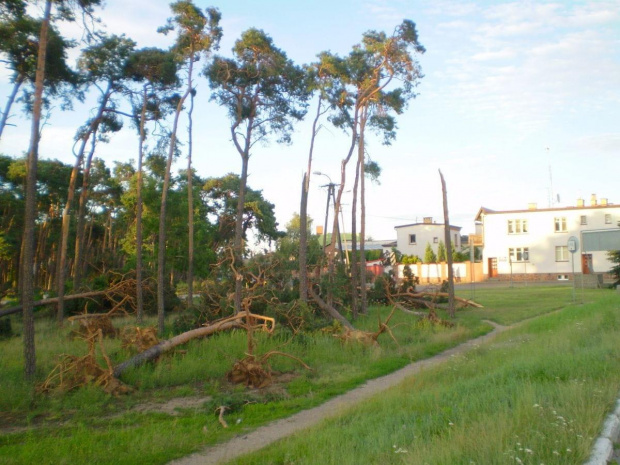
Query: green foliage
x=6, y=329
x=382, y=288
x=409, y=280
x=429, y=254
x=409, y=259
x=221, y=197
x=260, y=87
x=459, y=257
x=441, y=252
x=614, y=257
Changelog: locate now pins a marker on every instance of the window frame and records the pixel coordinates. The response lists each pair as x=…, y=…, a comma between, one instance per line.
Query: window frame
x=515, y=254
x=563, y=254
x=560, y=224
x=414, y=239
x=517, y=226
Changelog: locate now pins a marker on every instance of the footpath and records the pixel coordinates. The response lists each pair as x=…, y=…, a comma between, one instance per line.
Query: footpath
x=603, y=452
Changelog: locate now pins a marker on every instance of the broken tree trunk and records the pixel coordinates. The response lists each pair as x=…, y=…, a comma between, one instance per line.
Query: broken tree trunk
x=165, y=346
x=414, y=295
x=51, y=300
x=451, y=306
x=331, y=311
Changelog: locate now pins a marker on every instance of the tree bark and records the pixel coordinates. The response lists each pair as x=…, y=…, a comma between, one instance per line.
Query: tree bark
x=139, y=240
x=7, y=109
x=66, y=214
x=27, y=283
x=303, y=214
x=190, y=209
x=331, y=311
x=448, y=240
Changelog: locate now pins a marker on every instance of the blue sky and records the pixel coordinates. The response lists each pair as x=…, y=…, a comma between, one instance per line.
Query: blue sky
x=520, y=99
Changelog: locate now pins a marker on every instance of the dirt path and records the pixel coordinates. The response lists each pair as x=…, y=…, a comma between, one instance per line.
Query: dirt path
x=279, y=429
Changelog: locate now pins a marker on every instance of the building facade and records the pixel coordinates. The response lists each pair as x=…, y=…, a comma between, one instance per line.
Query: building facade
x=539, y=244
x=411, y=239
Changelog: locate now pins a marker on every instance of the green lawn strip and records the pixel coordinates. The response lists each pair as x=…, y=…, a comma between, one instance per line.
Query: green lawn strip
x=77, y=420
x=200, y=371
x=538, y=393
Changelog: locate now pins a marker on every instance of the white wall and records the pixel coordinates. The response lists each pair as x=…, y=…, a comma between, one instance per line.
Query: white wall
x=425, y=234
x=542, y=239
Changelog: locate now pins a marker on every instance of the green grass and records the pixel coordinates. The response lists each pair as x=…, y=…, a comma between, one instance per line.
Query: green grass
x=83, y=426
x=537, y=393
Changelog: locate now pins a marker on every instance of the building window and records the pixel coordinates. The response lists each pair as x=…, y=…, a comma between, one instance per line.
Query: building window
x=607, y=218
x=435, y=240
x=583, y=219
x=560, y=224
x=519, y=254
x=561, y=253
x=456, y=240
x=517, y=226
x=412, y=238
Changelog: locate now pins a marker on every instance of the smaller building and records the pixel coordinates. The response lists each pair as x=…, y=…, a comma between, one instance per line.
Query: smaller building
x=411, y=239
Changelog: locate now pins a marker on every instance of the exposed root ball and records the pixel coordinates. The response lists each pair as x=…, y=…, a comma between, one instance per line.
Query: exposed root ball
x=139, y=339
x=250, y=372
x=434, y=319
x=89, y=326
x=73, y=372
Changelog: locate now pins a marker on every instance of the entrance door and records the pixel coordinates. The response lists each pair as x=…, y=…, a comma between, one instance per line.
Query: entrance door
x=492, y=267
x=586, y=263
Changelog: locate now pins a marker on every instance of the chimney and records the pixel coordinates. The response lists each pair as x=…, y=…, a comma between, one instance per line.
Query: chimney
x=604, y=202
x=580, y=202
x=532, y=206
x=319, y=230
x=428, y=220
x=593, y=200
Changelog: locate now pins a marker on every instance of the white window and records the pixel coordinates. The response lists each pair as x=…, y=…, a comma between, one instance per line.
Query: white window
x=412, y=238
x=519, y=254
x=607, y=218
x=517, y=226
x=583, y=219
x=560, y=224
x=561, y=253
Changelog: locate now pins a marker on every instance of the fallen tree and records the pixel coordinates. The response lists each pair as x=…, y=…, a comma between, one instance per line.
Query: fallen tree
x=210, y=328
x=422, y=295
x=331, y=311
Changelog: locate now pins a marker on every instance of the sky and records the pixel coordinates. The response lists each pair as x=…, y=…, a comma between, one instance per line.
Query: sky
x=519, y=104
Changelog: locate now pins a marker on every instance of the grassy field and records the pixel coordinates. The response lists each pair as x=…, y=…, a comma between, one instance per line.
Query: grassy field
x=85, y=425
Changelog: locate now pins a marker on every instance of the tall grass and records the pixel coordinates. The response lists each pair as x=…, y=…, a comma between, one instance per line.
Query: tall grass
x=85, y=425
x=537, y=394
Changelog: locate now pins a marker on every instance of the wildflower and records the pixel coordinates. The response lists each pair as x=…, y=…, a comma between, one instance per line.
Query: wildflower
x=555, y=452
x=529, y=451
x=536, y=405
x=450, y=423
x=568, y=450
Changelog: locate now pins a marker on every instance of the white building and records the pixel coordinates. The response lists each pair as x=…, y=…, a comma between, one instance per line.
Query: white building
x=534, y=244
x=411, y=239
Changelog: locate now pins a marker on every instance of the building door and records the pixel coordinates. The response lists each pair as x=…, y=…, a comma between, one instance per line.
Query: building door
x=492, y=267
x=586, y=263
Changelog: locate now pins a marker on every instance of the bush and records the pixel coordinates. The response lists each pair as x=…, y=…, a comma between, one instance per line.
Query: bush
x=6, y=330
